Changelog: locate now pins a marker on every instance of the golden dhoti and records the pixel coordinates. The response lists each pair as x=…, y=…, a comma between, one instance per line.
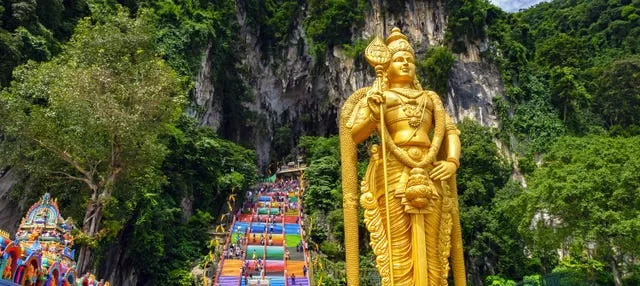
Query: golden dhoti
x=437, y=226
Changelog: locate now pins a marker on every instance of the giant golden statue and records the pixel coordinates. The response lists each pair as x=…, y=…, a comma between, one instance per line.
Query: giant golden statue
x=409, y=191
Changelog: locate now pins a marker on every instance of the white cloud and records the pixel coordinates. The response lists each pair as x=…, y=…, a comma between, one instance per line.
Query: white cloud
x=515, y=5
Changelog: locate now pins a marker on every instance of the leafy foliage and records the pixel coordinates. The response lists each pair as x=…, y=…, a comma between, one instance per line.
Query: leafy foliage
x=568, y=93
x=467, y=21
x=488, y=217
x=435, y=68
x=595, y=177
x=551, y=57
x=134, y=97
x=282, y=142
x=618, y=97
x=165, y=239
x=319, y=147
x=185, y=27
x=561, y=50
x=199, y=158
x=323, y=173
x=98, y=107
x=34, y=30
x=356, y=50
x=562, y=62
x=273, y=20
x=495, y=280
x=329, y=23
x=533, y=122
x=187, y=31
x=322, y=192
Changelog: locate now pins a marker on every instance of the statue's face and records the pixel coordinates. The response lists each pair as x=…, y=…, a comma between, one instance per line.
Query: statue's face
x=402, y=67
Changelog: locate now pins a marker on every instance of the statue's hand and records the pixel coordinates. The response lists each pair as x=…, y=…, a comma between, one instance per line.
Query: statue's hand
x=374, y=99
x=443, y=170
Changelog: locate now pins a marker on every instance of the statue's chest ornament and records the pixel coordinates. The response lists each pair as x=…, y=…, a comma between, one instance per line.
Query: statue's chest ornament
x=413, y=105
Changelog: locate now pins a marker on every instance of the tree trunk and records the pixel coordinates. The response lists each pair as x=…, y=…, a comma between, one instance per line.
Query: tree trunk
x=187, y=207
x=564, y=113
x=473, y=271
x=617, y=278
x=90, y=226
x=85, y=258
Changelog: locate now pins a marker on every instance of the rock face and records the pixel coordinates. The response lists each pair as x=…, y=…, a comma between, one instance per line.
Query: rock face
x=472, y=87
x=117, y=268
x=290, y=88
x=204, y=93
x=10, y=211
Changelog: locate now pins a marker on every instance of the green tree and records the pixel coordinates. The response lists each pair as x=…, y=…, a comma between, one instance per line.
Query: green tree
x=489, y=232
x=186, y=27
x=97, y=108
x=322, y=175
x=202, y=169
x=329, y=23
x=435, y=68
x=596, y=178
x=274, y=20
x=494, y=280
x=561, y=50
x=618, y=97
x=568, y=91
x=282, y=142
x=318, y=147
x=166, y=224
x=467, y=22
x=531, y=119
x=190, y=30
x=33, y=30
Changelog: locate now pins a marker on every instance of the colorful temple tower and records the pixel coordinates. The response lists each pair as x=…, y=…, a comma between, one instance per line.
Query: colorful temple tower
x=41, y=253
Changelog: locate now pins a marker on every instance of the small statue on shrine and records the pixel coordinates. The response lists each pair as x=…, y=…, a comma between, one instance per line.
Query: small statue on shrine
x=68, y=240
x=35, y=233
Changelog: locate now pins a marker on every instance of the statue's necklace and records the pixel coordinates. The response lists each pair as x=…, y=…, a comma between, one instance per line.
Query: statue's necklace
x=414, y=106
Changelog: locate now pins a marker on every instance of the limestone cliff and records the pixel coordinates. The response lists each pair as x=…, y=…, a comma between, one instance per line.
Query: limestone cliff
x=290, y=88
x=11, y=209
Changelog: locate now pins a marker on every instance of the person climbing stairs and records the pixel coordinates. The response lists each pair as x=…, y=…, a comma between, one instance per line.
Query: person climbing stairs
x=270, y=234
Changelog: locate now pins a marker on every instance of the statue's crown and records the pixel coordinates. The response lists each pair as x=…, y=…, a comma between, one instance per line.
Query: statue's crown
x=397, y=42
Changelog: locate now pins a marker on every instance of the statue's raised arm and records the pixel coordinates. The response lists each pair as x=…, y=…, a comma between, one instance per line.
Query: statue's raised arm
x=409, y=192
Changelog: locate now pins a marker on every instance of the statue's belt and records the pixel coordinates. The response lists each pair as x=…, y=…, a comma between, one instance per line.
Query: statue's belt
x=415, y=152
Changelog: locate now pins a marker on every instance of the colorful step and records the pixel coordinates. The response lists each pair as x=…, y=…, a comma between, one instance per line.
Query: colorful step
x=264, y=218
x=232, y=267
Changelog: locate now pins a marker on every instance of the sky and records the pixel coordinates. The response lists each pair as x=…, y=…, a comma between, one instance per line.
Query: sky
x=515, y=5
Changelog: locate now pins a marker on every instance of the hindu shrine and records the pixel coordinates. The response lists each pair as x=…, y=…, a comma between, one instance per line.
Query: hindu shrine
x=41, y=252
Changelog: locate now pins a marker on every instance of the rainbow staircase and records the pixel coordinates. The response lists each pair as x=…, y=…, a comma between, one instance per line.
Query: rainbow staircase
x=266, y=245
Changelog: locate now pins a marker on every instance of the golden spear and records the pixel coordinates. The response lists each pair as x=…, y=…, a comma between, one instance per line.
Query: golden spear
x=378, y=55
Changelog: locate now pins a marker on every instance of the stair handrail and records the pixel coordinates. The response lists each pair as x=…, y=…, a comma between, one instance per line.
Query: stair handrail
x=284, y=236
x=222, y=256
x=244, y=253
x=300, y=223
